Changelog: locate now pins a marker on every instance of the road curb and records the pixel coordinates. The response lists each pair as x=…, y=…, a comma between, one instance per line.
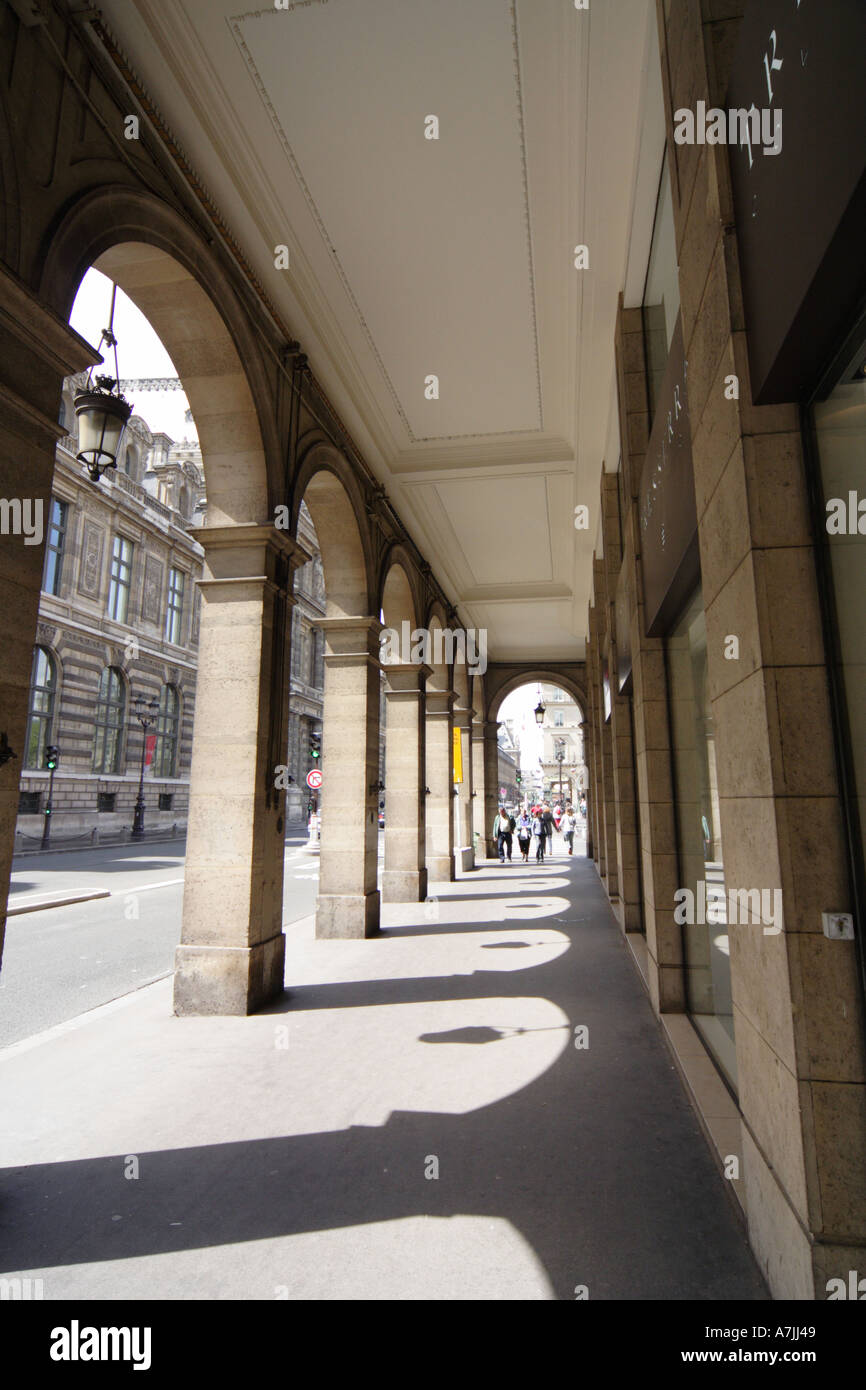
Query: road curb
x=57, y=902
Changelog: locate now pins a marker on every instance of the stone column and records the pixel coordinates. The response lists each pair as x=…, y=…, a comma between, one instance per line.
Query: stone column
x=37, y=350
x=464, y=850
x=231, y=956
x=478, y=785
x=404, y=878
x=348, y=896
x=440, y=812
x=491, y=786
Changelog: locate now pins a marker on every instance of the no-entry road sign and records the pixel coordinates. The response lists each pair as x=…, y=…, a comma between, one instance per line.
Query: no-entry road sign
x=314, y=778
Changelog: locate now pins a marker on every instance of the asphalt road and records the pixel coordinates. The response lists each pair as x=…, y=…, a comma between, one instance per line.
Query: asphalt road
x=61, y=961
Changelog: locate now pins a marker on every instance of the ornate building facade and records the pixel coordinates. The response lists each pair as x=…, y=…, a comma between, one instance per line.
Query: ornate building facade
x=118, y=619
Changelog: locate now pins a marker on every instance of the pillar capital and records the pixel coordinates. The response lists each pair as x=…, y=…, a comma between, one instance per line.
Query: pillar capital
x=249, y=551
x=350, y=640
x=461, y=718
x=440, y=704
x=407, y=679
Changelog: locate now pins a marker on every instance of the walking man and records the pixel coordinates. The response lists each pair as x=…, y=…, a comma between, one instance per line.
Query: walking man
x=549, y=826
x=503, y=828
x=540, y=834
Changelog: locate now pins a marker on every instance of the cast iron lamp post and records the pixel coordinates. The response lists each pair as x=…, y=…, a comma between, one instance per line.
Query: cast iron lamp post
x=146, y=711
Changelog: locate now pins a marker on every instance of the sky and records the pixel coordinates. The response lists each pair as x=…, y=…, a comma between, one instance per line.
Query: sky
x=140, y=353
x=519, y=705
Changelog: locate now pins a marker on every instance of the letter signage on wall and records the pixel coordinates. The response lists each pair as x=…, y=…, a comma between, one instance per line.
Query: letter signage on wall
x=800, y=212
x=668, y=514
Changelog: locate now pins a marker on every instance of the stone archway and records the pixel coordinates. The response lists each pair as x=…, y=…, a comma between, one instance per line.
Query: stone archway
x=231, y=955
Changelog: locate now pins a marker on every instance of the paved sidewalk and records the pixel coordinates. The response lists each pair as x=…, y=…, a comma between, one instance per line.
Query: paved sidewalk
x=293, y=1153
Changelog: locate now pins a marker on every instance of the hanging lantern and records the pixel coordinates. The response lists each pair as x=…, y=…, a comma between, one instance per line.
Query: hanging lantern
x=102, y=412
x=539, y=712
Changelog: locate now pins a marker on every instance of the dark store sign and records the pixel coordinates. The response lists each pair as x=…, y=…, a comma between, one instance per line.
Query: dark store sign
x=801, y=213
x=668, y=513
x=623, y=634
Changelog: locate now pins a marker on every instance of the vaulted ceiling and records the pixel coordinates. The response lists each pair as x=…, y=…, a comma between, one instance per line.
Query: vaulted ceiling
x=453, y=258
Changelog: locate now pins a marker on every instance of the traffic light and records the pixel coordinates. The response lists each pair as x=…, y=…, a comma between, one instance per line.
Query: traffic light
x=315, y=746
x=52, y=757
x=519, y=778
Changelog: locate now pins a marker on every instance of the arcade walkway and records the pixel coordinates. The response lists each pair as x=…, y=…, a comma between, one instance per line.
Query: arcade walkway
x=284, y=1155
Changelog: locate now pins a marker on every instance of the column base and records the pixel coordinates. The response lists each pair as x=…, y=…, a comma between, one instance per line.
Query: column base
x=347, y=916
x=465, y=858
x=440, y=867
x=404, y=885
x=228, y=979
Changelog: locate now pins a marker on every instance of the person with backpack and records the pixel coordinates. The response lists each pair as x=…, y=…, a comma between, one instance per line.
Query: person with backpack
x=524, y=835
x=503, y=829
x=540, y=833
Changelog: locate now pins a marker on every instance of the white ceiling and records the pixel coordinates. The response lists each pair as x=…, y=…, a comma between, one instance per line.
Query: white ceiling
x=453, y=257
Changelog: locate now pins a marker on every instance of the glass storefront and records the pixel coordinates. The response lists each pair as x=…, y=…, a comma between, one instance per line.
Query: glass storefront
x=840, y=426
x=699, y=841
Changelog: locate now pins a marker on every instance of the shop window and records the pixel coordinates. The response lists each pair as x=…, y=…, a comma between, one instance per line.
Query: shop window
x=840, y=426
x=699, y=841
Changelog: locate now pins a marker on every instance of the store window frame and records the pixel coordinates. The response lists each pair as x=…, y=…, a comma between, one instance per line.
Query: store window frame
x=851, y=351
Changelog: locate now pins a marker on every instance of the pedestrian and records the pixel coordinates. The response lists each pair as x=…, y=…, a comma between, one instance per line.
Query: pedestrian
x=567, y=825
x=503, y=828
x=524, y=835
x=549, y=826
x=538, y=830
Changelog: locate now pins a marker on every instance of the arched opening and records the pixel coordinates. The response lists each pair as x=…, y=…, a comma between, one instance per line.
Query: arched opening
x=348, y=780
x=233, y=600
x=541, y=759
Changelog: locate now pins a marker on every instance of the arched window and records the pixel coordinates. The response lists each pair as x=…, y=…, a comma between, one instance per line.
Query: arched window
x=108, y=731
x=43, y=686
x=167, y=728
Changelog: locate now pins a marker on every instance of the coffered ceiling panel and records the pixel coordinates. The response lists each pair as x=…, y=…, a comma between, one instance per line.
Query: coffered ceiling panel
x=432, y=233
x=412, y=258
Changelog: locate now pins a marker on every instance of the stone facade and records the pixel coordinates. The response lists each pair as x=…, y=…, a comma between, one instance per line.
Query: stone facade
x=149, y=502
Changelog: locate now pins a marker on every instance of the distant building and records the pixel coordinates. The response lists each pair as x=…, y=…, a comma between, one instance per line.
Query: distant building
x=562, y=732
x=118, y=618
x=307, y=671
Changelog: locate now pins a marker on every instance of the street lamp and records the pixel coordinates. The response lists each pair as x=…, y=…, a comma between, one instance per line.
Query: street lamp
x=560, y=758
x=539, y=712
x=146, y=711
x=102, y=412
